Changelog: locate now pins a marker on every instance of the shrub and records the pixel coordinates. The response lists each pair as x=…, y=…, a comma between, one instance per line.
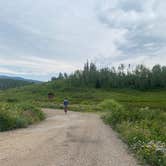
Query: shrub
x=11, y=100
x=110, y=105
x=7, y=120
x=18, y=116
x=116, y=112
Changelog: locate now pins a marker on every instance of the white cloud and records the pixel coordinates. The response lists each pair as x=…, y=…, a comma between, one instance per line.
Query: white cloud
x=34, y=66
x=145, y=22
x=52, y=36
x=7, y=71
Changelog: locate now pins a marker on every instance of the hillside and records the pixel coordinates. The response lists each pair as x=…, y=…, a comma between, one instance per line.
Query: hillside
x=7, y=82
x=10, y=83
x=19, y=78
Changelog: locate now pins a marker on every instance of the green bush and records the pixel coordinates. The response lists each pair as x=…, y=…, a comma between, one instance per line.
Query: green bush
x=116, y=112
x=7, y=120
x=11, y=100
x=18, y=116
x=110, y=105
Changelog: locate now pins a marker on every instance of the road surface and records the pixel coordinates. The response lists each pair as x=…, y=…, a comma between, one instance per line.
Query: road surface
x=76, y=139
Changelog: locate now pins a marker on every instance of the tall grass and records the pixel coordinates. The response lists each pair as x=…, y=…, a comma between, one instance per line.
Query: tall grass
x=14, y=116
x=143, y=129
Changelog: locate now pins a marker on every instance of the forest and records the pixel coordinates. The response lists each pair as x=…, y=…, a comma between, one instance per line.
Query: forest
x=11, y=83
x=139, y=77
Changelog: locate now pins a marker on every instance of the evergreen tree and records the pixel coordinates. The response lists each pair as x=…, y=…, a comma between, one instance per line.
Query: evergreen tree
x=140, y=77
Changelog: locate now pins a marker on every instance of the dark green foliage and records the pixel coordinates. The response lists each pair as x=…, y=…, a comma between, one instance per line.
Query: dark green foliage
x=98, y=84
x=10, y=83
x=141, y=78
x=11, y=100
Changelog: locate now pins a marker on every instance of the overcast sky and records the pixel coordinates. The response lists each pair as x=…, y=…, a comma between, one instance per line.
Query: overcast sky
x=39, y=38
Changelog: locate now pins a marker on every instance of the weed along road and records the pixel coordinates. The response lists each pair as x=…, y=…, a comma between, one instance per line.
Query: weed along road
x=76, y=139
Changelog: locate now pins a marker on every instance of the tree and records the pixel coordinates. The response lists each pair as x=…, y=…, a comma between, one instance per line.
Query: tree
x=140, y=77
x=156, y=76
x=60, y=77
x=53, y=78
x=98, y=85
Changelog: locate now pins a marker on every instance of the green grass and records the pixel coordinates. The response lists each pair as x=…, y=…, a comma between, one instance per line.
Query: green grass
x=38, y=94
x=82, y=99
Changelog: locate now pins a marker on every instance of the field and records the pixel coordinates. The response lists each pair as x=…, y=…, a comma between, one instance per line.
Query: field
x=84, y=96
x=139, y=116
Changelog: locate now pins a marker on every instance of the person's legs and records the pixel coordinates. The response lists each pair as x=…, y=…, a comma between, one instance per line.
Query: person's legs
x=65, y=109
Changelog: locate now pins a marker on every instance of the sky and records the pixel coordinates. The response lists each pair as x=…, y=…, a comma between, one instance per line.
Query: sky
x=39, y=39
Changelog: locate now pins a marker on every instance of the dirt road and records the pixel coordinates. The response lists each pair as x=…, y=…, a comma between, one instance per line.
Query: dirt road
x=73, y=140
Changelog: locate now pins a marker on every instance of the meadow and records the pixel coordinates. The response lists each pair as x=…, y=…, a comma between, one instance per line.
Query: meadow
x=37, y=94
x=138, y=116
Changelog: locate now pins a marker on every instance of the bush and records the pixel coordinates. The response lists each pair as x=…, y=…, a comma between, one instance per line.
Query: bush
x=11, y=100
x=116, y=112
x=18, y=116
x=110, y=105
x=7, y=120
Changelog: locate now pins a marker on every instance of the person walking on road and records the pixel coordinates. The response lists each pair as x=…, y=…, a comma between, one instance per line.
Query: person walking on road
x=65, y=103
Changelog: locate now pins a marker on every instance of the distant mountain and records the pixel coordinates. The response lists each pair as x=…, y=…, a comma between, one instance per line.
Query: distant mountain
x=19, y=78
x=7, y=82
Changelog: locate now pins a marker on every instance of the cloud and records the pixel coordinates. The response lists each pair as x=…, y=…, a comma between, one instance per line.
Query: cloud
x=4, y=70
x=50, y=36
x=34, y=65
x=144, y=22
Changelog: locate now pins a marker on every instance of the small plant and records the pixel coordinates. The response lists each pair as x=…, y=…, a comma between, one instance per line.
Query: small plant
x=152, y=152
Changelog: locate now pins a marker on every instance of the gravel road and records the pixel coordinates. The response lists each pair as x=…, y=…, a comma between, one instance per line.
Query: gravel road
x=76, y=139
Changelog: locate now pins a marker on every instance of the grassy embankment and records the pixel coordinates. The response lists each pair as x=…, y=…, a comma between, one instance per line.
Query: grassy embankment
x=18, y=116
x=140, y=118
x=143, y=129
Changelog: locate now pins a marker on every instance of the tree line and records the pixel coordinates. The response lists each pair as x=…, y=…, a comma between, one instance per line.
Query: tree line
x=10, y=83
x=140, y=77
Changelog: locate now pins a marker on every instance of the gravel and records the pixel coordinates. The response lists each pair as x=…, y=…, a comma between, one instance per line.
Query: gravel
x=75, y=139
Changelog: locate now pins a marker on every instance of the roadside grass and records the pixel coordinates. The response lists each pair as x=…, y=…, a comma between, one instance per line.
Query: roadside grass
x=14, y=116
x=143, y=129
